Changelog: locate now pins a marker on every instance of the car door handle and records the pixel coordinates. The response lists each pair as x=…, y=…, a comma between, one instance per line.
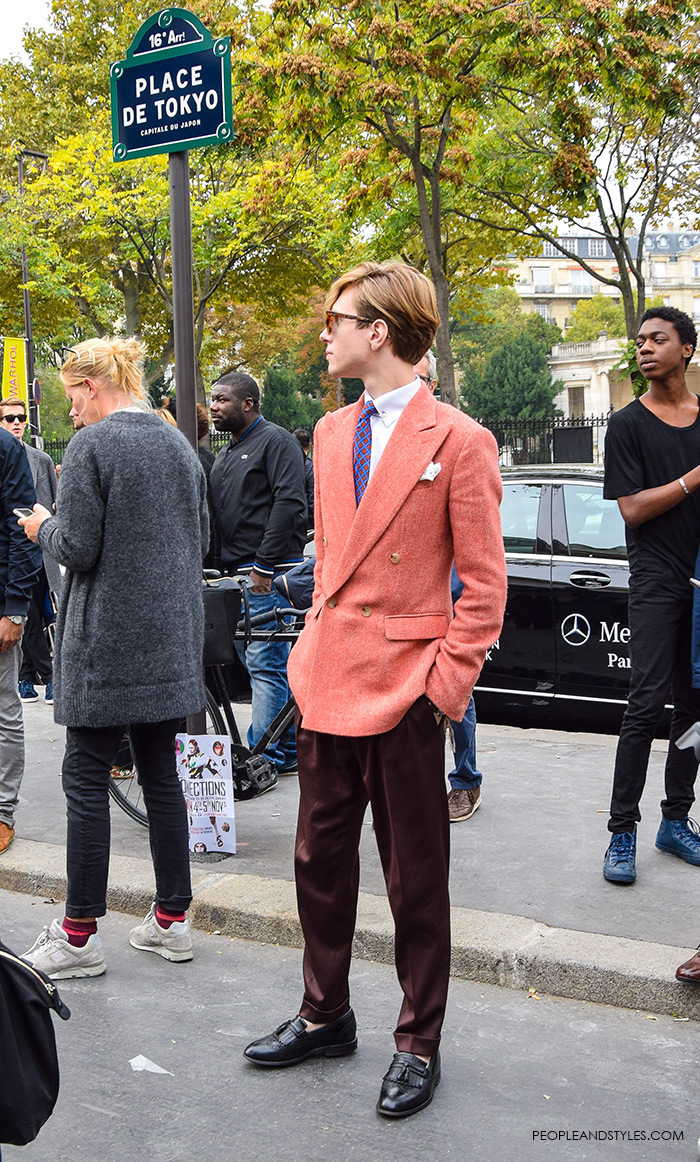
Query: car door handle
x=590, y=580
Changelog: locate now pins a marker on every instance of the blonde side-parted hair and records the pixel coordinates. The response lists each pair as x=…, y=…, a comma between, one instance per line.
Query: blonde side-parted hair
x=401, y=296
x=115, y=362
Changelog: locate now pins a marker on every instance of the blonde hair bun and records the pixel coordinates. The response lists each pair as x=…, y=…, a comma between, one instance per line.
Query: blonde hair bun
x=114, y=361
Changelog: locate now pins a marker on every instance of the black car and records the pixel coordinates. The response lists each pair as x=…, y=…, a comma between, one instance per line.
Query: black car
x=565, y=638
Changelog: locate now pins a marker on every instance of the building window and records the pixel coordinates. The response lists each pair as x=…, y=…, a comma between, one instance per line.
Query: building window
x=581, y=282
x=543, y=310
x=696, y=309
x=569, y=244
x=659, y=271
x=542, y=279
x=596, y=248
x=576, y=402
x=696, y=270
x=549, y=250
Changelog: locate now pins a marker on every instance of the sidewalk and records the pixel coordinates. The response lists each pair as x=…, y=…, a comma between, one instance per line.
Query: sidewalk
x=530, y=906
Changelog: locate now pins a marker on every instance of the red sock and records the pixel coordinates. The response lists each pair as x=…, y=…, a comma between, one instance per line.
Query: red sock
x=79, y=931
x=166, y=918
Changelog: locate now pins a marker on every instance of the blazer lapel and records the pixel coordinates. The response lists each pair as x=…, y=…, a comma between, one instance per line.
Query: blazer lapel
x=417, y=436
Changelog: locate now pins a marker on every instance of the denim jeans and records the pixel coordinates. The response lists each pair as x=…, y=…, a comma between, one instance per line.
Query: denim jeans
x=266, y=663
x=465, y=776
x=11, y=736
x=86, y=766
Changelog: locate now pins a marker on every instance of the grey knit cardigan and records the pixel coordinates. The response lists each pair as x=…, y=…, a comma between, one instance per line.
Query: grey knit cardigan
x=131, y=528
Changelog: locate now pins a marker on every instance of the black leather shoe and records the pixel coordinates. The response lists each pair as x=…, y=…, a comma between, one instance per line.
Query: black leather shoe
x=408, y=1086
x=291, y=1042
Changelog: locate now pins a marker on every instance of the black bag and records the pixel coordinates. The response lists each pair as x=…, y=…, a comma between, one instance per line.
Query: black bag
x=29, y=1086
x=222, y=608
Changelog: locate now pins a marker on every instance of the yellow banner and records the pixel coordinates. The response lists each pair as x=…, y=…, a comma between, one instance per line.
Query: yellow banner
x=14, y=371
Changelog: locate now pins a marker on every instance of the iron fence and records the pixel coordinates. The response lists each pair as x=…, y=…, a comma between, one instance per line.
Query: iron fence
x=554, y=440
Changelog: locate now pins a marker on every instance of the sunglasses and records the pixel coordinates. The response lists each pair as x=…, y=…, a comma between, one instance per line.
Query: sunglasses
x=425, y=378
x=10, y=419
x=331, y=315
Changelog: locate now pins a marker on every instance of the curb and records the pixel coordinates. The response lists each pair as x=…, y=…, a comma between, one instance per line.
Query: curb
x=491, y=947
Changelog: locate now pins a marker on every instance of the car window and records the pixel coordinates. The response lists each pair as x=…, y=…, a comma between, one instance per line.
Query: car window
x=595, y=526
x=519, y=511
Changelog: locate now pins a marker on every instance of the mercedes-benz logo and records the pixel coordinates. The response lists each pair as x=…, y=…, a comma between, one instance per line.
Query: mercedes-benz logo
x=575, y=629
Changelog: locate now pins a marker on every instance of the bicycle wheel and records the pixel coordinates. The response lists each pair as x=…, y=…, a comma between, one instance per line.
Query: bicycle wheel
x=124, y=782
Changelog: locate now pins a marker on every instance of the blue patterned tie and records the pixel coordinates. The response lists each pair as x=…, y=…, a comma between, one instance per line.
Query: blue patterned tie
x=362, y=449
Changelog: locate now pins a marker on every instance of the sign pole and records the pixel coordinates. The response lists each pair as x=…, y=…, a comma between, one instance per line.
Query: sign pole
x=183, y=310
x=183, y=321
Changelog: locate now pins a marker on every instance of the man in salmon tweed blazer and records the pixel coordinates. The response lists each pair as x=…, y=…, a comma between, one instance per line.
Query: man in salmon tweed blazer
x=405, y=485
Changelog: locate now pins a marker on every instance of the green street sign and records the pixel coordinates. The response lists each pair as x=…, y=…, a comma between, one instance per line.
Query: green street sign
x=173, y=91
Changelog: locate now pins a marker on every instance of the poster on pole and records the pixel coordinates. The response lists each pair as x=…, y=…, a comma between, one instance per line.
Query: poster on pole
x=204, y=770
x=14, y=370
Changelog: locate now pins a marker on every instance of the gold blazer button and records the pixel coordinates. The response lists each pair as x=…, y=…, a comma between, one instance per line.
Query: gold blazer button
x=395, y=558
x=331, y=603
x=324, y=542
x=366, y=611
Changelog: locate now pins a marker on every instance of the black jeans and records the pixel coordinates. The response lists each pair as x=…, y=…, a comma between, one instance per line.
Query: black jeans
x=36, y=658
x=660, y=652
x=86, y=767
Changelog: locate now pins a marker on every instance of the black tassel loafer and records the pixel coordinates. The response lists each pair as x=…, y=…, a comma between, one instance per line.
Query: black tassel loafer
x=409, y=1085
x=291, y=1042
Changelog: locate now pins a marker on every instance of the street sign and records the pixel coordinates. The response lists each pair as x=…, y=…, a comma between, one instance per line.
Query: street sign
x=173, y=91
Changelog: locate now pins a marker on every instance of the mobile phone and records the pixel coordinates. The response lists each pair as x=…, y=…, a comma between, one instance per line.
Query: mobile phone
x=23, y=511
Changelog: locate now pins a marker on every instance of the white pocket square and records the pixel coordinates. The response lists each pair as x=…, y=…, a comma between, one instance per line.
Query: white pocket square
x=431, y=471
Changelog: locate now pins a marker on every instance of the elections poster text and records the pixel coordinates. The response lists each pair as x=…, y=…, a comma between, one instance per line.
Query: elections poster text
x=204, y=770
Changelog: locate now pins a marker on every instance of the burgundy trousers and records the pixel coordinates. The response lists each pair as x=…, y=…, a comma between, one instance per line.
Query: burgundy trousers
x=402, y=774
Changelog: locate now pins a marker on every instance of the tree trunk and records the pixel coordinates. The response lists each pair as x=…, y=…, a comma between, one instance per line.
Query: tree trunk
x=431, y=223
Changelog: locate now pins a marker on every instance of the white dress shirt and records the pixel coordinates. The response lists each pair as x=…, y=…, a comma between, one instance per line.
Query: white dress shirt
x=389, y=407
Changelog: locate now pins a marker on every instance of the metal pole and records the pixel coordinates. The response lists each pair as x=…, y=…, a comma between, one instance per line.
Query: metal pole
x=33, y=410
x=183, y=321
x=183, y=309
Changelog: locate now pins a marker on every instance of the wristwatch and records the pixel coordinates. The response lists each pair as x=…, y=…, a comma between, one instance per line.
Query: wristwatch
x=16, y=618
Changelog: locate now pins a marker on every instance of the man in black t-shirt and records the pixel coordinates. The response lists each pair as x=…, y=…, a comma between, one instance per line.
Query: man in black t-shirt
x=652, y=469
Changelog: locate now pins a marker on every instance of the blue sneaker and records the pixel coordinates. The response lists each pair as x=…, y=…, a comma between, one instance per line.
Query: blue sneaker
x=27, y=692
x=49, y=692
x=680, y=837
x=619, y=867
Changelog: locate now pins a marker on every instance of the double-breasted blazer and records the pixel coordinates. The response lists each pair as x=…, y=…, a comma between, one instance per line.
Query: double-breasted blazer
x=381, y=632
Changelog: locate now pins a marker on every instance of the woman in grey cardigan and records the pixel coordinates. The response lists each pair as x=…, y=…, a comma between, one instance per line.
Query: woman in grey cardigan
x=131, y=527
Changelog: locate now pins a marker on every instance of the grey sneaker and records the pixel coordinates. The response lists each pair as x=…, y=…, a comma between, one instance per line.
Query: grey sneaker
x=174, y=943
x=52, y=953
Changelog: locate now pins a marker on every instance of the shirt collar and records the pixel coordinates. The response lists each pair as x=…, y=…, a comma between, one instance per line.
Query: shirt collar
x=391, y=404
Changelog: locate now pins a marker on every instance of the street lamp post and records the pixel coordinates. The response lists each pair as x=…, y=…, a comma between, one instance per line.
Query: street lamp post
x=33, y=410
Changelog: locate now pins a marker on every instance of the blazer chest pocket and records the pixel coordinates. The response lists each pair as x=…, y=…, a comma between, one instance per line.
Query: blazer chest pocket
x=414, y=626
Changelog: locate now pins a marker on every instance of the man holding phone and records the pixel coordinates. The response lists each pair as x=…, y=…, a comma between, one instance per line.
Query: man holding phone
x=20, y=562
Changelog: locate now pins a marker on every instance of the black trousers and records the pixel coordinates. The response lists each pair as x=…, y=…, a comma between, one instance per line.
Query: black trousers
x=86, y=767
x=36, y=658
x=661, y=671
x=402, y=774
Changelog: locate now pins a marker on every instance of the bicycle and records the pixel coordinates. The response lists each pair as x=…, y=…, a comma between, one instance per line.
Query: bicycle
x=253, y=774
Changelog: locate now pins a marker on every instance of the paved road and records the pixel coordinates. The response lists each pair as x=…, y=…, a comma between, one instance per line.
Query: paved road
x=535, y=848
x=513, y=1066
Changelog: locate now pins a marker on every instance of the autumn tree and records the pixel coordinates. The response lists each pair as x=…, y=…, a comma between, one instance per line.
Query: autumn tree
x=594, y=129
x=388, y=93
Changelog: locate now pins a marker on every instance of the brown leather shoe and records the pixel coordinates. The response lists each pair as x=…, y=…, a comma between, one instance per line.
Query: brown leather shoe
x=461, y=804
x=690, y=970
x=7, y=834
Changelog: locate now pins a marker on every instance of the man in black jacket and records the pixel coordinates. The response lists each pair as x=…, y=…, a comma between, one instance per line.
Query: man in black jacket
x=258, y=502
x=19, y=568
